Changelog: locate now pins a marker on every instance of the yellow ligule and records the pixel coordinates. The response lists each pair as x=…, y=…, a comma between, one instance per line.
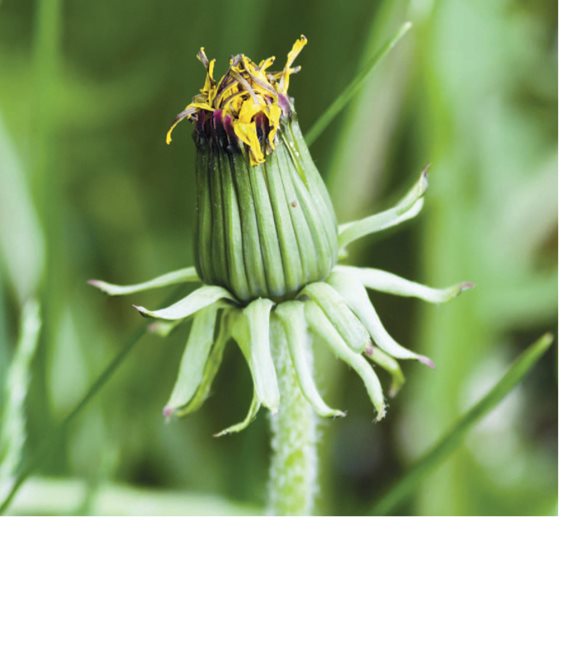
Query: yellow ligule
x=245, y=91
x=246, y=133
x=273, y=112
x=297, y=47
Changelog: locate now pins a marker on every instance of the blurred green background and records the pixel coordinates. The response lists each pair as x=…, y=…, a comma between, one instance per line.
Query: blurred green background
x=89, y=189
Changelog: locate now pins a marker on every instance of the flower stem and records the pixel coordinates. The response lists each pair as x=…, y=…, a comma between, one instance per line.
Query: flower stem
x=293, y=481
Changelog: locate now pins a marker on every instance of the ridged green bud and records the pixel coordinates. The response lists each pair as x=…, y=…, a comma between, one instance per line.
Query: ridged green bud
x=264, y=230
x=265, y=225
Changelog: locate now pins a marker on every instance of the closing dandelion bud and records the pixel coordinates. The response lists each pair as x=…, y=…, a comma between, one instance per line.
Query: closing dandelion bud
x=265, y=225
x=266, y=244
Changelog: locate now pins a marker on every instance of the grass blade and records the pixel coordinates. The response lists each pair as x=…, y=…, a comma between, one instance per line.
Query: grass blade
x=46, y=448
x=446, y=445
x=13, y=428
x=346, y=96
x=22, y=242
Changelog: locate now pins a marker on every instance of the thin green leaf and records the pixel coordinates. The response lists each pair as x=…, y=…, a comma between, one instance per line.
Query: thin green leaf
x=350, y=91
x=452, y=440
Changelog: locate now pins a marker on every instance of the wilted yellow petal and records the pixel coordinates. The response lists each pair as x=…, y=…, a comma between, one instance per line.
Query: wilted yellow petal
x=297, y=47
x=266, y=63
x=273, y=112
x=247, y=134
x=186, y=114
x=250, y=108
x=245, y=91
x=292, y=56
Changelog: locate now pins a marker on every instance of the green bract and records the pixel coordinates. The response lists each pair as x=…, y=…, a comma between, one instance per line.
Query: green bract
x=266, y=246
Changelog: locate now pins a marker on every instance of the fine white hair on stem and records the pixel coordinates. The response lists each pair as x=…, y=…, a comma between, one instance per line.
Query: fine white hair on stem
x=293, y=481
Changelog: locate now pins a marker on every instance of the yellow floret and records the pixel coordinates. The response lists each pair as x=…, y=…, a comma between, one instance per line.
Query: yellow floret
x=245, y=91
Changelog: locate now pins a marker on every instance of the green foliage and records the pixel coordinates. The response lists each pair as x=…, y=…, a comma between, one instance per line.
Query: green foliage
x=333, y=110
x=13, y=418
x=88, y=189
x=443, y=448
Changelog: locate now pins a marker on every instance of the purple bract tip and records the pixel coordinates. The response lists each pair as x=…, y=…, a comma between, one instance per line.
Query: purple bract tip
x=427, y=361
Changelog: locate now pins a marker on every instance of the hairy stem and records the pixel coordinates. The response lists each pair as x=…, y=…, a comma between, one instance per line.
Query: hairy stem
x=293, y=479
